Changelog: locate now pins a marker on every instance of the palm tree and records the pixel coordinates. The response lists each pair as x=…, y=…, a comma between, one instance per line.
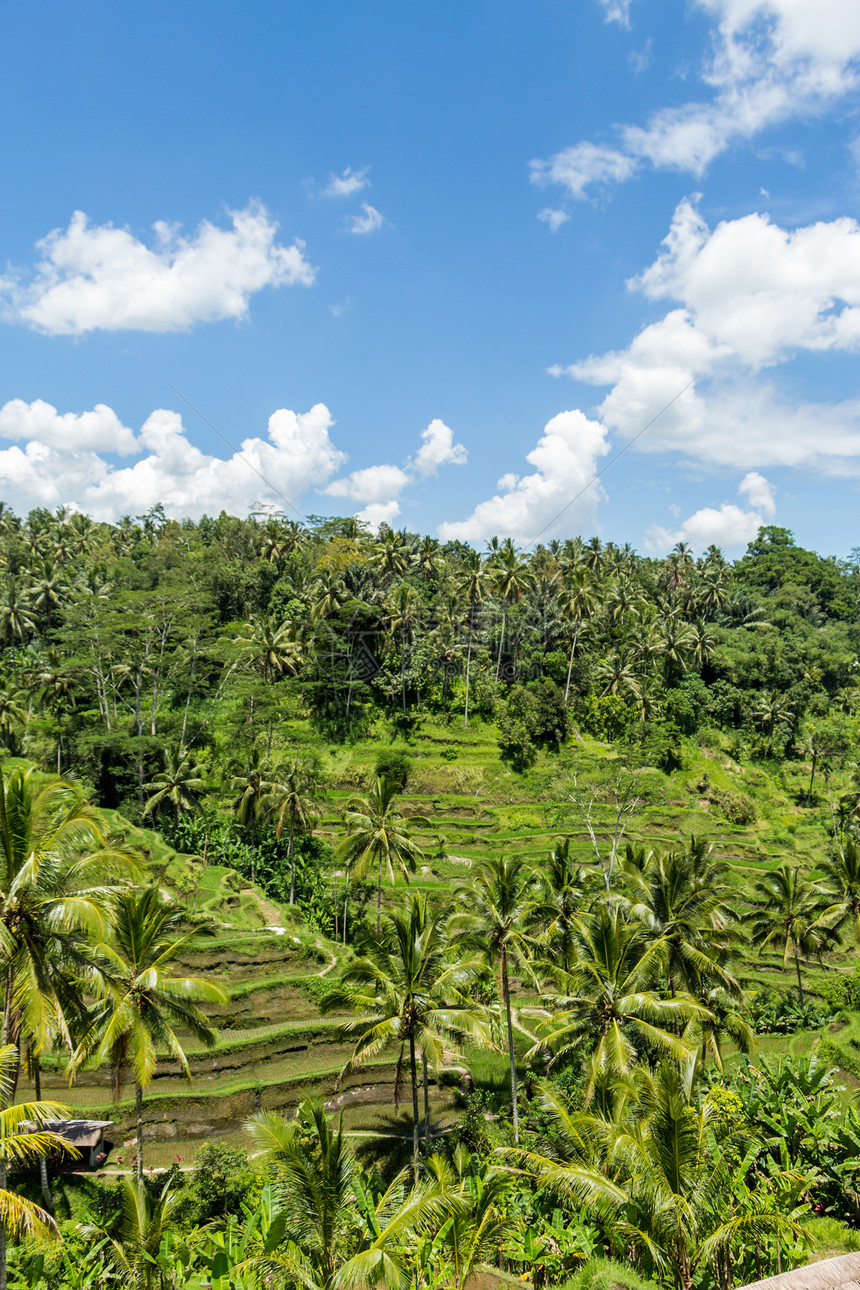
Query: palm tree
x=140, y=1003
x=480, y=1222
x=132, y=1243
x=16, y=620
x=774, y=712
x=377, y=833
x=57, y=874
x=410, y=989
x=681, y=896
x=335, y=1235
x=271, y=648
x=610, y=1002
x=472, y=587
x=842, y=887
x=179, y=784
x=788, y=916
x=296, y=798
x=511, y=579
x=46, y=591
x=559, y=894
x=497, y=902
x=255, y=784
x=13, y=716
x=660, y=1185
x=579, y=600
x=25, y=1138
x=403, y=612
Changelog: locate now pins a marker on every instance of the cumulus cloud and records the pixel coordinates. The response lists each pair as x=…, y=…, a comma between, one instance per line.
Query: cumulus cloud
x=772, y=61
x=347, y=184
x=759, y=493
x=553, y=217
x=725, y=526
x=751, y=294
x=565, y=459
x=98, y=277
x=372, y=484
x=64, y=461
x=439, y=449
x=98, y=431
x=379, y=487
x=368, y=222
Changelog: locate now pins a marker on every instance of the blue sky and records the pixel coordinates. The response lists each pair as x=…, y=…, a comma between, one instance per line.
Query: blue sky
x=436, y=264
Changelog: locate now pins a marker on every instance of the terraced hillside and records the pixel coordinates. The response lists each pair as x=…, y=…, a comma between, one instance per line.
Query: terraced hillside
x=274, y=1048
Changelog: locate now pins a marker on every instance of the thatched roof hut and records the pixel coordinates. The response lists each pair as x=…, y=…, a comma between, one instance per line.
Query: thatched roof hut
x=87, y=1135
x=842, y=1273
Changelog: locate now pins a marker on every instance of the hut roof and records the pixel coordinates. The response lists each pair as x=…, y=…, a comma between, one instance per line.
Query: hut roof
x=81, y=1133
x=842, y=1273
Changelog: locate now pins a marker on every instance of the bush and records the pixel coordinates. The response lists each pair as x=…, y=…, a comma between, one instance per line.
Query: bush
x=394, y=765
x=219, y=1183
x=738, y=808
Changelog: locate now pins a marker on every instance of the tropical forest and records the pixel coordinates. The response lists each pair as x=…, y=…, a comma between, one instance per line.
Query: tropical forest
x=380, y=911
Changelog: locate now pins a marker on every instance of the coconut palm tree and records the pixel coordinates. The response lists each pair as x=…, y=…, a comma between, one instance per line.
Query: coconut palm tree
x=296, y=800
x=496, y=906
x=180, y=784
x=378, y=834
x=662, y=1187
x=579, y=599
x=254, y=783
x=410, y=989
x=561, y=888
x=841, y=886
x=58, y=871
x=472, y=587
x=335, y=1235
x=131, y=1245
x=480, y=1222
x=140, y=1004
x=25, y=1139
x=610, y=1004
x=788, y=916
x=511, y=579
x=681, y=896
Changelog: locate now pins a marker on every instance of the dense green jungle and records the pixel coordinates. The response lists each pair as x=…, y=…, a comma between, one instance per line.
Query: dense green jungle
x=376, y=911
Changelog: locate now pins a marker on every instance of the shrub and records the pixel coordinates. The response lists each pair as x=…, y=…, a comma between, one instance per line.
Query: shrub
x=738, y=808
x=219, y=1182
x=394, y=765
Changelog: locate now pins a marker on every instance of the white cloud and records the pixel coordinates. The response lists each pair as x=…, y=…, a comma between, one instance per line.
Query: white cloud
x=772, y=61
x=348, y=183
x=751, y=294
x=580, y=167
x=98, y=431
x=438, y=449
x=759, y=493
x=617, y=11
x=369, y=222
x=100, y=277
x=554, y=218
x=761, y=289
x=53, y=470
x=372, y=484
x=727, y=526
x=378, y=513
x=565, y=459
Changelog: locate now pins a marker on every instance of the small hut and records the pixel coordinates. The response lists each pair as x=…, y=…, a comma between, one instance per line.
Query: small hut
x=87, y=1136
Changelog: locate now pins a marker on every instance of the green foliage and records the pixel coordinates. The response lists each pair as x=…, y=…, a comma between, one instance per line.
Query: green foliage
x=395, y=765
x=219, y=1184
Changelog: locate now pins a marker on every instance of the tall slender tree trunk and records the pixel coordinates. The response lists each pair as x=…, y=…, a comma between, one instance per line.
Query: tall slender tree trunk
x=47, y=1198
x=379, y=893
x=138, y=1106
x=797, y=969
x=403, y=669
x=292, y=859
x=506, y=996
x=345, y=902
x=570, y=662
x=426, y=1099
x=501, y=640
x=4, y=1102
x=468, y=667
x=414, y=1073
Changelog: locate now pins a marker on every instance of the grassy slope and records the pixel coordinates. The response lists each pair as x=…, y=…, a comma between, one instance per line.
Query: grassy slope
x=467, y=804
